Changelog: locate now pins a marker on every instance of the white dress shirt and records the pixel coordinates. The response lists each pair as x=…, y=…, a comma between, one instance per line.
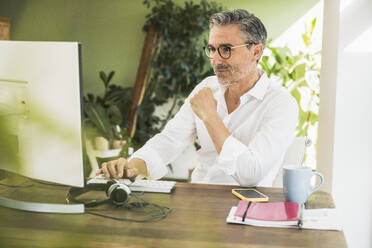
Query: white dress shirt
x=261, y=128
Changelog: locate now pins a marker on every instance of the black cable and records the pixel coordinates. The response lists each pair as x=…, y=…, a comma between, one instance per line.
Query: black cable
x=139, y=206
x=164, y=209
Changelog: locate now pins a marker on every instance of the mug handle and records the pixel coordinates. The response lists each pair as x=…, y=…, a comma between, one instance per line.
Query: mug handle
x=321, y=181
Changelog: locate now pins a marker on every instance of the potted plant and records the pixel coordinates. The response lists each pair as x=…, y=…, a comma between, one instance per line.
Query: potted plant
x=299, y=73
x=104, y=123
x=178, y=61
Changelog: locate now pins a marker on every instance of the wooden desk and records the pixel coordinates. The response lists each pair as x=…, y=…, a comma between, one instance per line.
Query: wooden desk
x=198, y=219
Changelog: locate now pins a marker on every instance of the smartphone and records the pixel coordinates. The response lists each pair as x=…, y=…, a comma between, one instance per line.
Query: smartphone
x=250, y=195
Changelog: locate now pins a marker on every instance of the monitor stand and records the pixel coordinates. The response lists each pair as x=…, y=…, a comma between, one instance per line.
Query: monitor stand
x=42, y=207
x=36, y=206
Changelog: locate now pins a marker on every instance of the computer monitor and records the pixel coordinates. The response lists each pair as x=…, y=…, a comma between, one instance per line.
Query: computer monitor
x=41, y=97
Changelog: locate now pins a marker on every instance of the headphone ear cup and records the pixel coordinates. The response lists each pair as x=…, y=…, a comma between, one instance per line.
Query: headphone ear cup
x=108, y=185
x=118, y=193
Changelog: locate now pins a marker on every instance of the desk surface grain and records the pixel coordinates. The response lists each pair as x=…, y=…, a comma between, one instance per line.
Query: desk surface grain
x=198, y=219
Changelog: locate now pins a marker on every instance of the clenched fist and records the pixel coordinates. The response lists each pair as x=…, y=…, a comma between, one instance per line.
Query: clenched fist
x=203, y=104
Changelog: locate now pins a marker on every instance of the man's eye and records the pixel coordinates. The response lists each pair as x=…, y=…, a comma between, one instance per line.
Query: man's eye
x=225, y=49
x=211, y=49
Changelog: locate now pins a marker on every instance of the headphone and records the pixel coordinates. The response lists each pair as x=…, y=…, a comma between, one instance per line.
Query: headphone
x=116, y=192
x=119, y=194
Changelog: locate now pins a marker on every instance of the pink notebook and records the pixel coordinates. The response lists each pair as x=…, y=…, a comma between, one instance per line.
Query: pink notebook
x=270, y=211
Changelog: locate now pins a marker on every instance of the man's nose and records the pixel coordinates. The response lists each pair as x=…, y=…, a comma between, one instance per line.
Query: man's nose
x=217, y=59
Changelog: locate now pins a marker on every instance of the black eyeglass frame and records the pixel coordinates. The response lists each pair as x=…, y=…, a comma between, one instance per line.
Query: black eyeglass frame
x=207, y=50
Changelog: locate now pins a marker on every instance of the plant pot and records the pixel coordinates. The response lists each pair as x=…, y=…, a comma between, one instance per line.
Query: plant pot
x=103, y=154
x=101, y=143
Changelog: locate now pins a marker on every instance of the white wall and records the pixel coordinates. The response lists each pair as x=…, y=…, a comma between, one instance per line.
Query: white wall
x=353, y=129
x=352, y=133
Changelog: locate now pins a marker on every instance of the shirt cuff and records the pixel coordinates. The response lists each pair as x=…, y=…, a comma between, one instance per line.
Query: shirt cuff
x=231, y=150
x=154, y=164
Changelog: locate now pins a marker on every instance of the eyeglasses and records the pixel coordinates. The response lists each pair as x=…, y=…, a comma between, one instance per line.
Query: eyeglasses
x=224, y=51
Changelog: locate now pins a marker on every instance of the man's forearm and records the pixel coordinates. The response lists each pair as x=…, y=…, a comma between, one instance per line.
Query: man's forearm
x=217, y=131
x=205, y=107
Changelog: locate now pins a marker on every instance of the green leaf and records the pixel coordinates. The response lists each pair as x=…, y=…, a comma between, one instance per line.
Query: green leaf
x=306, y=40
x=302, y=117
x=284, y=51
x=312, y=26
x=297, y=95
x=97, y=115
x=303, y=83
x=278, y=57
x=103, y=77
x=265, y=59
x=265, y=65
x=301, y=132
x=112, y=73
x=313, y=118
x=289, y=60
x=299, y=71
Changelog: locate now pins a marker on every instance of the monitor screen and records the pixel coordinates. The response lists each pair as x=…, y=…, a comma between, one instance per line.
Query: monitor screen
x=40, y=97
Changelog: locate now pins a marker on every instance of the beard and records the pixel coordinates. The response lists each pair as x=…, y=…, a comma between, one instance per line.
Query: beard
x=228, y=75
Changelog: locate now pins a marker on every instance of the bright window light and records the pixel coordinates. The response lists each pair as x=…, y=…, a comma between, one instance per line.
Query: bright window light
x=362, y=43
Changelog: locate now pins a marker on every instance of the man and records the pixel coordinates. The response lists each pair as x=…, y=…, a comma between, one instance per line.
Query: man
x=244, y=122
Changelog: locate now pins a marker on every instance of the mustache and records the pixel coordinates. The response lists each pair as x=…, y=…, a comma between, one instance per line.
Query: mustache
x=221, y=67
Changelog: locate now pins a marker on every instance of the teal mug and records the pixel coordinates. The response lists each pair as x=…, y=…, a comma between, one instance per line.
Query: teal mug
x=296, y=183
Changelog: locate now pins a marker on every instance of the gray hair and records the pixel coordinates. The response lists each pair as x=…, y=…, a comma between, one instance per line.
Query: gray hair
x=249, y=24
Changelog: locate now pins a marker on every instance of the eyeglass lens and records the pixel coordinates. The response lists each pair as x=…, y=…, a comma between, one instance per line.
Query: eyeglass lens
x=223, y=51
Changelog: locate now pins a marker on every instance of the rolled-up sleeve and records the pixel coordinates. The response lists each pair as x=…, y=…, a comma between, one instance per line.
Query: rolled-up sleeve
x=249, y=162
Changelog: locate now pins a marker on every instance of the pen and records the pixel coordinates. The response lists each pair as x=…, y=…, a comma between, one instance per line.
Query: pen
x=245, y=212
x=301, y=218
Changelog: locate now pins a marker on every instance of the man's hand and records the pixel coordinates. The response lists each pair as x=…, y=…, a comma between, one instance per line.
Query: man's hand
x=203, y=104
x=115, y=168
x=205, y=107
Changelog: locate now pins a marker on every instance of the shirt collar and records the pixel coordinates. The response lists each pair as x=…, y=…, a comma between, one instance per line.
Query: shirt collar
x=259, y=89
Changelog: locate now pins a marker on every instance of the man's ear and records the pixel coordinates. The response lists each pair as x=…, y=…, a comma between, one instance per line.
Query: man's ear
x=257, y=51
